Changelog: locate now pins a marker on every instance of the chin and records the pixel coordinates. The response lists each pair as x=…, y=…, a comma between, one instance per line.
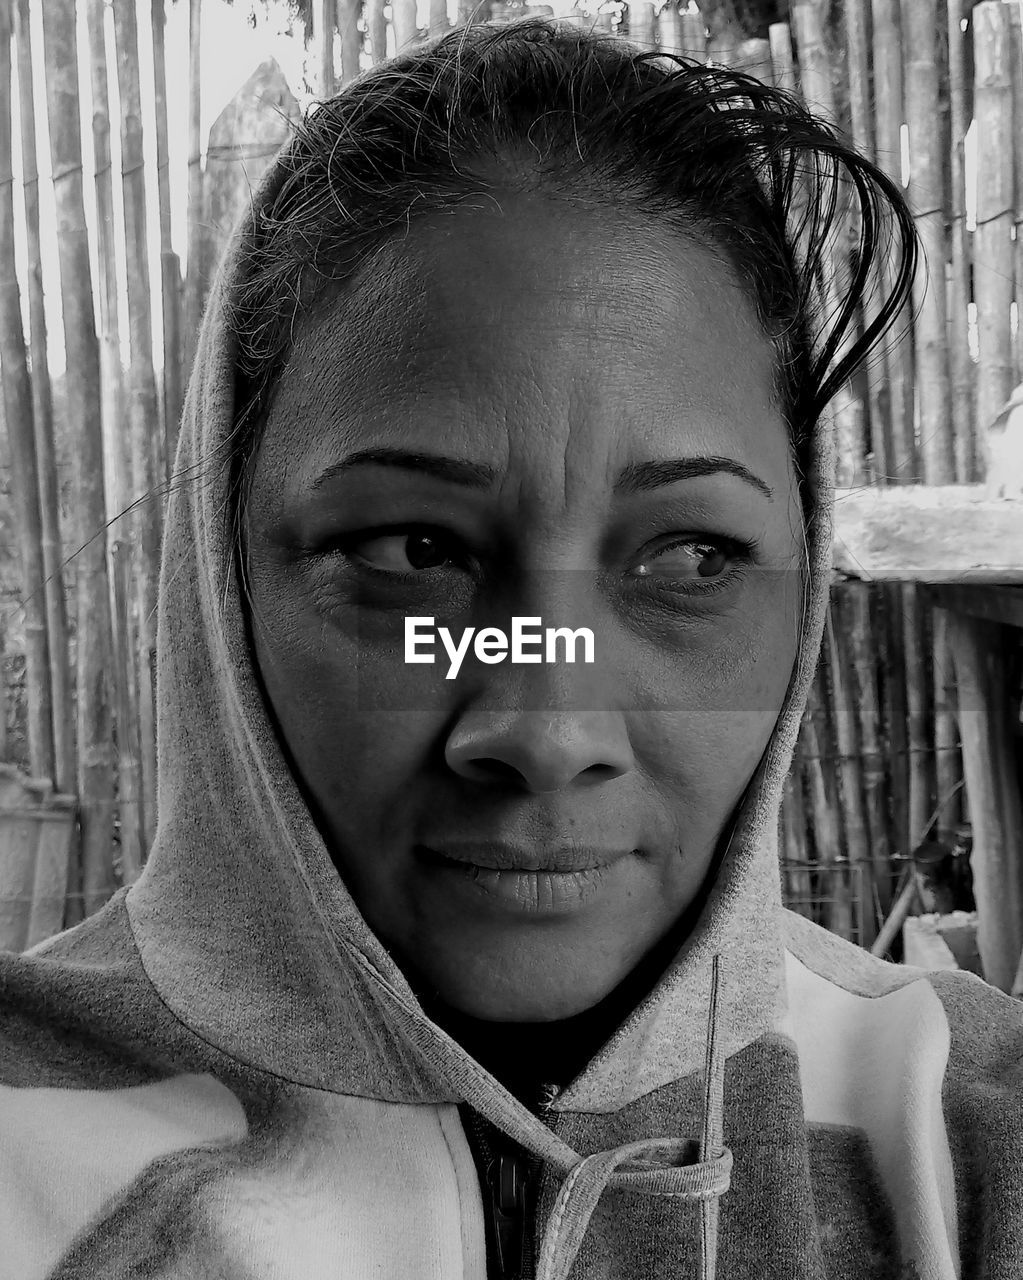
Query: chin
x=522, y=998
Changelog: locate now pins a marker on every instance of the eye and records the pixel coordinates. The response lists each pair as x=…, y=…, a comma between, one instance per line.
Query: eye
x=402, y=552
x=688, y=558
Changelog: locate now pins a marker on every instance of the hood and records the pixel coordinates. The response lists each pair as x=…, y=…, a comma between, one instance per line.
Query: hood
x=247, y=931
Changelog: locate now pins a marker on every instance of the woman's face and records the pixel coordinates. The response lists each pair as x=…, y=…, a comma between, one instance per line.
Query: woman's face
x=542, y=414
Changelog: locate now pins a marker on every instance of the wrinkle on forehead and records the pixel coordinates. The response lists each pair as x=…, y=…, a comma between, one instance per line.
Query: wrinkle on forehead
x=485, y=326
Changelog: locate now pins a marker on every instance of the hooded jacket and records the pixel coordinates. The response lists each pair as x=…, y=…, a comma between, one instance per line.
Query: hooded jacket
x=223, y=1073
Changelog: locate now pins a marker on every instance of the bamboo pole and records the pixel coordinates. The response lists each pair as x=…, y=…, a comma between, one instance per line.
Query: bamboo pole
x=798, y=889
x=327, y=22
x=376, y=30
x=816, y=79
x=94, y=641
x=129, y=797
x=117, y=446
x=669, y=28
x=642, y=25
x=782, y=58
x=170, y=263
x=195, y=266
x=1016, y=26
x=4, y=747
x=351, y=38
x=849, y=767
x=859, y=633
x=993, y=249
x=947, y=767
x=927, y=198
x=874, y=376
x=897, y=345
x=17, y=394
x=990, y=769
x=891, y=665
x=694, y=36
x=438, y=17
x=474, y=11
x=42, y=411
x=754, y=57
x=918, y=711
x=808, y=18
x=146, y=463
x=857, y=50
x=117, y=450
x=827, y=813
x=960, y=364
x=403, y=21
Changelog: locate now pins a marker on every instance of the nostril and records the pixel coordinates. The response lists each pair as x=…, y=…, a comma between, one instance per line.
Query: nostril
x=486, y=768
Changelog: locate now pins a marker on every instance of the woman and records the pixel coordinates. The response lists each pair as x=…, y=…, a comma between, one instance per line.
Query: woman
x=477, y=967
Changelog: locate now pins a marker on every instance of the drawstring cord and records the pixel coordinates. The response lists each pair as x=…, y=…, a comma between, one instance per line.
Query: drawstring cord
x=712, y=1144
x=704, y=1182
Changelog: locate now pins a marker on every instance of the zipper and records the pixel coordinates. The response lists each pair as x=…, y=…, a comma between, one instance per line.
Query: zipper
x=509, y=1179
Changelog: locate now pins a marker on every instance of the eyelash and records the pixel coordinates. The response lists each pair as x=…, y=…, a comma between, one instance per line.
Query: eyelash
x=740, y=551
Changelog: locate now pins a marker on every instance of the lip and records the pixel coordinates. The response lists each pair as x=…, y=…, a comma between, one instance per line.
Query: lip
x=559, y=882
x=491, y=855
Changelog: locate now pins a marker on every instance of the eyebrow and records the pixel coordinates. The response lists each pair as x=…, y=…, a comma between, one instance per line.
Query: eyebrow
x=641, y=477
x=638, y=477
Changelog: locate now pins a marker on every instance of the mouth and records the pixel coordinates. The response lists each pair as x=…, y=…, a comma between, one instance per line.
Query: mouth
x=554, y=882
x=497, y=856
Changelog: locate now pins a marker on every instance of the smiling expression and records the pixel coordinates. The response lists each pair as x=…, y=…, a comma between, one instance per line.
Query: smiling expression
x=527, y=412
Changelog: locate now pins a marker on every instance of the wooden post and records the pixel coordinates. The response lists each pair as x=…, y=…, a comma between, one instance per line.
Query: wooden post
x=403, y=20
x=170, y=263
x=117, y=439
x=3, y=678
x=438, y=17
x=17, y=393
x=961, y=370
x=351, y=38
x=327, y=21
x=642, y=25
x=827, y=813
x=782, y=58
x=927, y=197
x=196, y=265
x=63, y=702
x=669, y=28
x=898, y=344
x=95, y=743
x=1016, y=27
x=947, y=767
x=376, y=29
x=849, y=770
x=146, y=463
x=694, y=36
x=993, y=248
x=818, y=90
x=857, y=636
x=117, y=451
x=989, y=767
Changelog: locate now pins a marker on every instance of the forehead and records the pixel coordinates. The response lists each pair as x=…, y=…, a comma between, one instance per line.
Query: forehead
x=524, y=330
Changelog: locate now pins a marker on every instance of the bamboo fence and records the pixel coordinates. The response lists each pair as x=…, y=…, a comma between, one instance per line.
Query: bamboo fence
x=919, y=85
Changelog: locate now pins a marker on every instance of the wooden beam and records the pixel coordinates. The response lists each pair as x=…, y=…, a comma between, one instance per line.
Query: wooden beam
x=928, y=533
x=993, y=603
x=992, y=783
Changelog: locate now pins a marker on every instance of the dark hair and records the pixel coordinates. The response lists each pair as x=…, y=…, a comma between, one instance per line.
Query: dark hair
x=714, y=153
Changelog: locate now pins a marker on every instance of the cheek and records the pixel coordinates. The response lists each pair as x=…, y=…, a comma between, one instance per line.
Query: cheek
x=346, y=710
x=721, y=699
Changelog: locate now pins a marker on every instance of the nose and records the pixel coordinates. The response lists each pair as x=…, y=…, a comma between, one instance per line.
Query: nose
x=540, y=751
